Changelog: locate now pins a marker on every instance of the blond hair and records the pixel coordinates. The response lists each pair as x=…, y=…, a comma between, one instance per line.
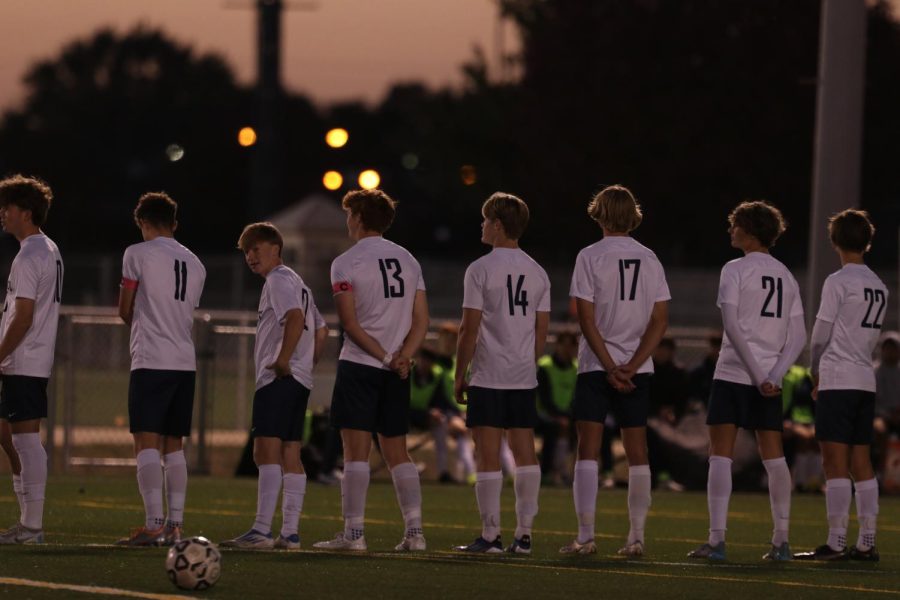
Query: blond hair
x=615, y=209
x=511, y=211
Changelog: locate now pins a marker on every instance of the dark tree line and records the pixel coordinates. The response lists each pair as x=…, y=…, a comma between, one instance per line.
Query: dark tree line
x=695, y=104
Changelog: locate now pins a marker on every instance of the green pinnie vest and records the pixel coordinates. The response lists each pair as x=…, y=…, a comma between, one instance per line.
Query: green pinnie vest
x=420, y=395
x=562, y=381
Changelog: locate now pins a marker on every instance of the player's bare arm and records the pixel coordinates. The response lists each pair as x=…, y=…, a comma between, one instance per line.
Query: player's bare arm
x=465, y=349
x=656, y=329
x=127, y=293
x=293, y=329
x=18, y=327
x=319, y=345
x=595, y=341
x=346, y=310
x=415, y=337
x=541, y=327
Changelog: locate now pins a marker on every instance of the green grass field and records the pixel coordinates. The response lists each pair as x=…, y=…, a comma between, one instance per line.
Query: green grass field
x=85, y=514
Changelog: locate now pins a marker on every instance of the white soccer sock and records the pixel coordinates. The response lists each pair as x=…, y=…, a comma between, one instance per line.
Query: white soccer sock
x=294, y=488
x=837, y=507
x=465, y=454
x=561, y=456
x=354, y=487
x=175, y=468
x=439, y=434
x=488, y=485
x=638, y=501
x=150, y=484
x=866, y=512
x=268, y=490
x=409, y=496
x=780, y=487
x=718, y=494
x=507, y=462
x=20, y=495
x=528, y=487
x=34, y=477
x=584, y=490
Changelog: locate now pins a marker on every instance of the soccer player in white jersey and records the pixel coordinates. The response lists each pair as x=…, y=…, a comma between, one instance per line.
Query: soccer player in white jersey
x=380, y=298
x=851, y=312
x=161, y=286
x=288, y=340
x=27, y=340
x=506, y=313
x=764, y=334
x=621, y=296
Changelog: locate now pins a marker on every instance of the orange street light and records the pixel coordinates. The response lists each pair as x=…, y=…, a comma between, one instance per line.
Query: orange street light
x=332, y=180
x=246, y=137
x=369, y=179
x=337, y=137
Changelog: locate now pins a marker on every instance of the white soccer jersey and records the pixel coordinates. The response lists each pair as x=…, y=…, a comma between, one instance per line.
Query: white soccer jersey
x=854, y=299
x=624, y=280
x=508, y=287
x=36, y=274
x=169, y=281
x=384, y=278
x=767, y=298
x=283, y=291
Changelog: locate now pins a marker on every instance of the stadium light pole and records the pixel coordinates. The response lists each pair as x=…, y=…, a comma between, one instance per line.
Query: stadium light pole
x=838, y=137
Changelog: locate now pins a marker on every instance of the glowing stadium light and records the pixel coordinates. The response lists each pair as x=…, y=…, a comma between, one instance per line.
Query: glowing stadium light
x=332, y=180
x=369, y=179
x=174, y=152
x=337, y=137
x=246, y=136
x=468, y=174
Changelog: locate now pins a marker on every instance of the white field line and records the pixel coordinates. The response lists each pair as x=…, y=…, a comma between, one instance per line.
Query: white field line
x=88, y=589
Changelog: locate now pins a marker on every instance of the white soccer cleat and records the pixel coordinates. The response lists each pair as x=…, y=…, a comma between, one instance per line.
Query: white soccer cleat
x=252, y=540
x=634, y=550
x=342, y=543
x=22, y=535
x=291, y=542
x=415, y=543
x=576, y=547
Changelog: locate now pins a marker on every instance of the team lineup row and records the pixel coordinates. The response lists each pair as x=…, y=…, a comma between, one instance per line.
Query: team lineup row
x=621, y=295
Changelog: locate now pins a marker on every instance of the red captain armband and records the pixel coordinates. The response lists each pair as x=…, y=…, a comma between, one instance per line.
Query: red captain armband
x=129, y=284
x=341, y=286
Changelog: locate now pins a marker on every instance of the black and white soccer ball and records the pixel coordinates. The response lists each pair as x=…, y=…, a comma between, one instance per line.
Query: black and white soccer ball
x=194, y=564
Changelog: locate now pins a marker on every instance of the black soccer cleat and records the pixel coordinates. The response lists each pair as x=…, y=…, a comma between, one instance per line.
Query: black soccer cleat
x=823, y=552
x=481, y=545
x=870, y=555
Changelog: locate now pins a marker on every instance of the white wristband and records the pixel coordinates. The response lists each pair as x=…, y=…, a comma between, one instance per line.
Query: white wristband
x=387, y=359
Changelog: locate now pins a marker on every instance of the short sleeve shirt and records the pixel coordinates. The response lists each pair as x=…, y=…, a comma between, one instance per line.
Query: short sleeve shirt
x=509, y=288
x=623, y=279
x=169, y=281
x=284, y=291
x=36, y=274
x=767, y=298
x=384, y=279
x=854, y=300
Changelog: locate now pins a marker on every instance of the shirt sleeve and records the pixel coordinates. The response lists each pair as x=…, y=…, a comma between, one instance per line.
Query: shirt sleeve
x=582, y=279
x=283, y=296
x=729, y=287
x=131, y=268
x=420, y=283
x=831, y=301
x=473, y=292
x=28, y=277
x=340, y=277
x=662, y=288
x=319, y=319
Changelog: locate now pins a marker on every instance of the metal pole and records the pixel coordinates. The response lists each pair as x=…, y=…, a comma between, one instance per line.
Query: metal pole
x=69, y=392
x=838, y=140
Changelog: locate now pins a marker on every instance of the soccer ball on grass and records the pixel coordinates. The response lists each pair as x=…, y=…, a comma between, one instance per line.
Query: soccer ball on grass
x=194, y=564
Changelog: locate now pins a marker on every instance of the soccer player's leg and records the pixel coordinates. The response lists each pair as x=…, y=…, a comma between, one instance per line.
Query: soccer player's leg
x=780, y=487
x=14, y=465
x=178, y=426
x=631, y=410
x=838, y=494
x=866, y=484
x=294, y=478
x=267, y=455
x=520, y=419
x=589, y=409
x=149, y=392
x=354, y=406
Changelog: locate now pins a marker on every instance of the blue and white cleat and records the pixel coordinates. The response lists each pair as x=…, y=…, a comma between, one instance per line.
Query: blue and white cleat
x=252, y=540
x=481, y=545
x=291, y=542
x=779, y=553
x=341, y=542
x=709, y=552
x=19, y=534
x=520, y=545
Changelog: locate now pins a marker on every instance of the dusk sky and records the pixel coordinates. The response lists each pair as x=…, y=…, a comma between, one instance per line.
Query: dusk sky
x=344, y=49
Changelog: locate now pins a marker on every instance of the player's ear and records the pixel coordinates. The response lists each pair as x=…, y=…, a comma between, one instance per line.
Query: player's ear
x=174, y=226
